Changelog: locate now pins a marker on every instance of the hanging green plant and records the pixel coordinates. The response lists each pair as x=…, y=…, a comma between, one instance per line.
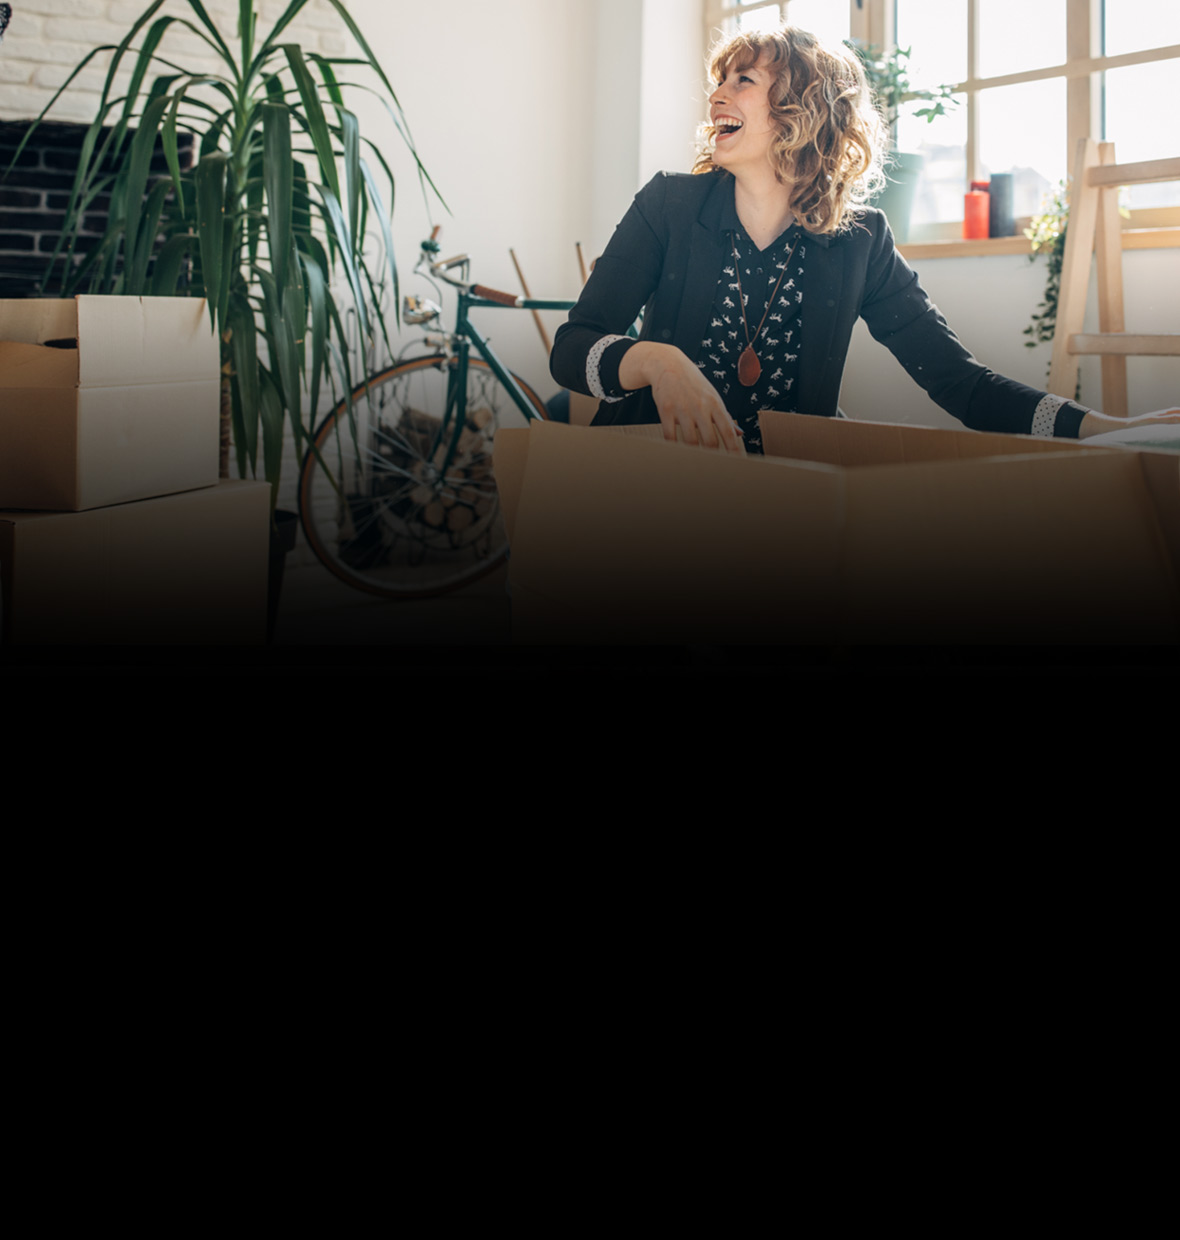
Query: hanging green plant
x=1046, y=231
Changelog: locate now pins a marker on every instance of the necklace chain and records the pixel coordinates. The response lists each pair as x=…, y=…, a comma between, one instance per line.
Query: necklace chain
x=749, y=367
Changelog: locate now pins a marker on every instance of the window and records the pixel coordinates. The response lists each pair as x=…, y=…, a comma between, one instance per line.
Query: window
x=829, y=19
x=1032, y=78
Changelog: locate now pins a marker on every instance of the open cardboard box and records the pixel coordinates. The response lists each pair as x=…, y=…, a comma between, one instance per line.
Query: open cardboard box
x=123, y=406
x=183, y=569
x=844, y=532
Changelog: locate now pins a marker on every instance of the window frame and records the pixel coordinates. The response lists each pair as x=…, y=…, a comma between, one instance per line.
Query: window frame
x=874, y=21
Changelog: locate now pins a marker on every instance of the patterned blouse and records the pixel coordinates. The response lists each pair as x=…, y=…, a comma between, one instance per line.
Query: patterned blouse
x=754, y=276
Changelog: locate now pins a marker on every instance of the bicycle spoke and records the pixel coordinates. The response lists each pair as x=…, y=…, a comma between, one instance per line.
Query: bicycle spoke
x=397, y=526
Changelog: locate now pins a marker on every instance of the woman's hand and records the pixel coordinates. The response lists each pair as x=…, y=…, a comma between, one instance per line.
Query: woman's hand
x=683, y=396
x=1095, y=423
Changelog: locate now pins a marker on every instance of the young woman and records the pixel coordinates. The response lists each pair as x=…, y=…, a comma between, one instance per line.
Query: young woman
x=754, y=270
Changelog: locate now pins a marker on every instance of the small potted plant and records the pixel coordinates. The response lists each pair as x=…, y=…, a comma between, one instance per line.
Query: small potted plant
x=887, y=72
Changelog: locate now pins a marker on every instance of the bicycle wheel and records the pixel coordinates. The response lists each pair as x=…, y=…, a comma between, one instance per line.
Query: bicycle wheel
x=375, y=505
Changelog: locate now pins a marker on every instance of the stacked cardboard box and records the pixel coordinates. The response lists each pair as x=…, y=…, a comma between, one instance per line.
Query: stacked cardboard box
x=844, y=532
x=109, y=411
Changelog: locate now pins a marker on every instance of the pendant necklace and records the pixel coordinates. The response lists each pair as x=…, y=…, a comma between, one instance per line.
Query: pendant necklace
x=749, y=368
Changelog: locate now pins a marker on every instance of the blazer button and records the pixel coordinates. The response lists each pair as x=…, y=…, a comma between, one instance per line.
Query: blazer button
x=831, y=302
x=666, y=333
x=671, y=275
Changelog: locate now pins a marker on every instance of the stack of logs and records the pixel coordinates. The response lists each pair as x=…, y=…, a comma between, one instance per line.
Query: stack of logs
x=457, y=507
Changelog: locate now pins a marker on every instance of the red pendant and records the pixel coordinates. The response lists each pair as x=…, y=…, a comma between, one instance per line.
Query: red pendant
x=749, y=367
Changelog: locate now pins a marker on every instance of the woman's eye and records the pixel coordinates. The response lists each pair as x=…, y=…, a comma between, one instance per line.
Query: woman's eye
x=743, y=78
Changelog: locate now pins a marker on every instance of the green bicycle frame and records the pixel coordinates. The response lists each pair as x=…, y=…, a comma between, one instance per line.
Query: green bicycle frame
x=466, y=335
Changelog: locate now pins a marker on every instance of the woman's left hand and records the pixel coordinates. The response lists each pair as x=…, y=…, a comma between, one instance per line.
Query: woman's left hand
x=1095, y=423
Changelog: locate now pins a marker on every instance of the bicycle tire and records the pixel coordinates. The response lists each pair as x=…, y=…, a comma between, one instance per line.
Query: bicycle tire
x=393, y=527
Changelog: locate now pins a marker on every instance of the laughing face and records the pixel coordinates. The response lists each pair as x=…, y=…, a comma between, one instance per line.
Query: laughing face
x=740, y=111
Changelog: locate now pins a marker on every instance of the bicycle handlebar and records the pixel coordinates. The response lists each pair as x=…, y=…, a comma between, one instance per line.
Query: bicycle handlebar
x=439, y=271
x=492, y=294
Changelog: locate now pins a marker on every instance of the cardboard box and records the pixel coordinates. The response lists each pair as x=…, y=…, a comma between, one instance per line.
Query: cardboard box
x=845, y=532
x=185, y=569
x=129, y=411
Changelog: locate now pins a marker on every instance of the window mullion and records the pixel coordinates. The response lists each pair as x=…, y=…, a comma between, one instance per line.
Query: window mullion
x=973, y=163
x=1083, y=41
x=858, y=20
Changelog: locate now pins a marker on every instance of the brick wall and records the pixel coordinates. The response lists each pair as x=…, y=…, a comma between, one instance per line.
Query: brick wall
x=47, y=38
x=34, y=197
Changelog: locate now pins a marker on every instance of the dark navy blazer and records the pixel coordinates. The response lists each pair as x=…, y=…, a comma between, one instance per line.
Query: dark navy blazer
x=666, y=255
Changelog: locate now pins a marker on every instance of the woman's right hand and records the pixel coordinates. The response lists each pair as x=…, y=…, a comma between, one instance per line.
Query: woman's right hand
x=683, y=396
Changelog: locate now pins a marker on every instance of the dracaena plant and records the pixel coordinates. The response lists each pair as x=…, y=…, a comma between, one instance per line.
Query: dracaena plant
x=277, y=200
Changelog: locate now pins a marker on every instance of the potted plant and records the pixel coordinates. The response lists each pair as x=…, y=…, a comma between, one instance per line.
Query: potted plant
x=276, y=203
x=887, y=72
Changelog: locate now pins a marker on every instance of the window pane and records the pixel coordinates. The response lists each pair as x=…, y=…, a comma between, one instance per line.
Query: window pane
x=942, y=143
x=1134, y=138
x=1015, y=35
x=936, y=33
x=827, y=19
x=1132, y=25
x=769, y=18
x=1022, y=131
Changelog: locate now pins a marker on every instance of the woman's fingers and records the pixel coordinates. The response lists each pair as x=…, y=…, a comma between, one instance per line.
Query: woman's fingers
x=688, y=401
x=707, y=431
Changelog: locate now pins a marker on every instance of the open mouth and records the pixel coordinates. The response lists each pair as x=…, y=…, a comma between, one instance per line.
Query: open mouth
x=726, y=127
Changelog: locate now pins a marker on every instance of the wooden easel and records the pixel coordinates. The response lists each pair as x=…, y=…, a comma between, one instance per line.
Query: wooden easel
x=1094, y=219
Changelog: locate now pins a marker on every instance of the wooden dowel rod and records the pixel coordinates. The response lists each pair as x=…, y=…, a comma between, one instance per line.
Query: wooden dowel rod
x=1127, y=344
x=1142, y=173
x=536, y=316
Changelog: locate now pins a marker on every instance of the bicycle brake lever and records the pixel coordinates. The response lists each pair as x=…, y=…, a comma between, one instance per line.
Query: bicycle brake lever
x=419, y=309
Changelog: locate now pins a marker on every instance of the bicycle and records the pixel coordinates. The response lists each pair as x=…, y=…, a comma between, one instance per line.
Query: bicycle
x=396, y=492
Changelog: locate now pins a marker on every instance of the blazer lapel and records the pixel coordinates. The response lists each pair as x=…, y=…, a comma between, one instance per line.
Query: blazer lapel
x=703, y=261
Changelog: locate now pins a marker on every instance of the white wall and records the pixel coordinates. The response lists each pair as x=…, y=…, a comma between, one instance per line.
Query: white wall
x=988, y=302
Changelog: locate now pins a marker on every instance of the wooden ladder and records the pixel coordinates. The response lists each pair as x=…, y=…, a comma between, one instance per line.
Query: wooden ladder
x=1094, y=218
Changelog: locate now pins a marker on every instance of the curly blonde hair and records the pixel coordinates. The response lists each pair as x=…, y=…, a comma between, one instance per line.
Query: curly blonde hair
x=830, y=137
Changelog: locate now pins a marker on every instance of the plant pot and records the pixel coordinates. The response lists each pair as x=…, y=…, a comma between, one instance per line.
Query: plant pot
x=897, y=198
x=282, y=539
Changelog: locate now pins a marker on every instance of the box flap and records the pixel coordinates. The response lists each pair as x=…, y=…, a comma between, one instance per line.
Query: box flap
x=39, y=448
x=1061, y=549
x=128, y=341
x=653, y=430
x=34, y=366
x=35, y=320
x=840, y=441
x=510, y=452
x=1161, y=472
x=692, y=545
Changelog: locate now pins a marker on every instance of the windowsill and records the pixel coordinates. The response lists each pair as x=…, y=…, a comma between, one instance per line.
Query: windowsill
x=1133, y=239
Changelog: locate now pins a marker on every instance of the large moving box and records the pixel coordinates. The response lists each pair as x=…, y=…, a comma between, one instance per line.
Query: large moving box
x=844, y=532
x=185, y=569
x=105, y=400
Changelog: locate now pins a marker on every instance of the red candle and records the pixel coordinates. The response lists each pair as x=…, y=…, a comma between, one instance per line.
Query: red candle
x=975, y=212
